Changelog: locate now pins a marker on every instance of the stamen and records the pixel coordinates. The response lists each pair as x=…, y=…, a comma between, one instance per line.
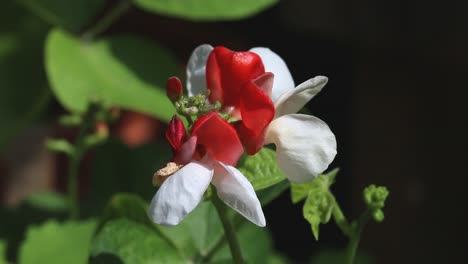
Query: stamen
x=163, y=174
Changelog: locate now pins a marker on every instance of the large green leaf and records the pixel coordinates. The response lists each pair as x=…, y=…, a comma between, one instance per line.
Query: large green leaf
x=261, y=169
x=23, y=84
x=134, y=243
x=123, y=71
x=206, y=10
x=72, y=15
x=59, y=243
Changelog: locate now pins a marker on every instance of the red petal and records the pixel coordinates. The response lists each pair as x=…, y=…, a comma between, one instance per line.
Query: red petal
x=227, y=71
x=217, y=138
x=175, y=133
x=257, y=111
x=174, y=88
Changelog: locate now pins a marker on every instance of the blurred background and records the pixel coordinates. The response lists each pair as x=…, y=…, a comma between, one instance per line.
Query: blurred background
x=395, y=100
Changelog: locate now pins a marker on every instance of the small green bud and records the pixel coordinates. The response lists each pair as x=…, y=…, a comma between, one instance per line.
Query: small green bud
x=375, y=196
x=378, y=215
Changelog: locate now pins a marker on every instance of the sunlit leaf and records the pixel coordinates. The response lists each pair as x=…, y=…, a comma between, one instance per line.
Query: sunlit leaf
x=54, y=242
x=134, y=243
x=206, y=9
x=120, y=71
x=261, y=169
x=3, y=246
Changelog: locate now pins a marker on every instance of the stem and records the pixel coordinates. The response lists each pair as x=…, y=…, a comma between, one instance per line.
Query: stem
x=229, y=231
x=106, y=21
x=340, y=218
x=75, y=158
x=356, y=236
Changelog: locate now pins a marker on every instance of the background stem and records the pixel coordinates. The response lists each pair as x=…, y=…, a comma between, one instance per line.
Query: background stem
x=107, y=20
x=229, y=230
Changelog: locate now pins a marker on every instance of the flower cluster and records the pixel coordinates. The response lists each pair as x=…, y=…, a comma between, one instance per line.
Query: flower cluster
x=241, y=101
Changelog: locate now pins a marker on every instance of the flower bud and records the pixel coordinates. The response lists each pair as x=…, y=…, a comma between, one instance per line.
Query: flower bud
x=175, y=133
x=174, y=88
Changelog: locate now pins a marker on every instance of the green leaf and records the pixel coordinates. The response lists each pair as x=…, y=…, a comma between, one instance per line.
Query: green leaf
x=299, y=191
x=134, y=243
x=49, y=201
x=261, y=169
x=3, y=247
x=55, y=242
x=207, y=10
x=72, y=15
x=318, y=209
x=123, y=71
x=23, y=82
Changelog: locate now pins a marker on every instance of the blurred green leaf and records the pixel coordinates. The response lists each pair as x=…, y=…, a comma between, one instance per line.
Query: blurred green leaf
x=299, y=191
x=54, y=242
x=261, y=169
x=49, y=201
x=207, y=10
x=121, y=71
x=71, y=15
x=3, y=246
x=22, y=76
x=60, y=145
x=134, y=243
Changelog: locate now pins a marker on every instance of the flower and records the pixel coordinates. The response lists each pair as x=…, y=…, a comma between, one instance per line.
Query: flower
x=207, y=155
x=257, y=88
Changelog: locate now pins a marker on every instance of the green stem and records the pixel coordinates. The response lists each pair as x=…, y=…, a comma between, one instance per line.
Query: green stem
x=340, y=218
x=355, y=236
x=229, y=230
x=75, y=159
x=106, y=21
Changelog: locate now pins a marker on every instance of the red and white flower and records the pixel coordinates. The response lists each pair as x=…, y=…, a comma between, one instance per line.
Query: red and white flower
x=256, y=88
x=207, y=155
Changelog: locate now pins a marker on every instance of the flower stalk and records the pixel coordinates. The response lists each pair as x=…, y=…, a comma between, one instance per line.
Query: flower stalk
x=229, y=230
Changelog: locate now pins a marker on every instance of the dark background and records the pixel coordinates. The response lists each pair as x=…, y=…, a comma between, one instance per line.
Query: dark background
x=395, y=100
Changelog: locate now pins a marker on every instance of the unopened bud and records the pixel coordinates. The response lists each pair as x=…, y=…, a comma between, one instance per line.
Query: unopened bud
x=174, y=88
x=175, y=133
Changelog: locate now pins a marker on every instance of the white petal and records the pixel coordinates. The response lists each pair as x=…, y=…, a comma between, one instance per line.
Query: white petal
x=275, y=64
x=293, y=100
x=180, y=194
x=237, y=192
x=305, y=146
x=196, y=76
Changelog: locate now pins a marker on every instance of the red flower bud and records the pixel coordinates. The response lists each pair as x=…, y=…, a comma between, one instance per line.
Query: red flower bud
x=174, y=88
x=176, y=134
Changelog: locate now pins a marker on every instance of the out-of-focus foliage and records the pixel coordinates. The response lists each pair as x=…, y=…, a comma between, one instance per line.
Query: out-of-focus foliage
x=23, y=83
x=49, y=201
x=71, y=15
x=335, y=256
x=123, y=71
x=3, y=246
x=206, y=10
x=261, y=169
x=54, y=242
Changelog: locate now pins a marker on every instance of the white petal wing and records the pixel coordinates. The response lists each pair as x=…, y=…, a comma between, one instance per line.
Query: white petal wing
x=293, y=100
x=305, y=146
x=196, y=76
x=274, y=63
x=237, y=192
x=180, y=194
